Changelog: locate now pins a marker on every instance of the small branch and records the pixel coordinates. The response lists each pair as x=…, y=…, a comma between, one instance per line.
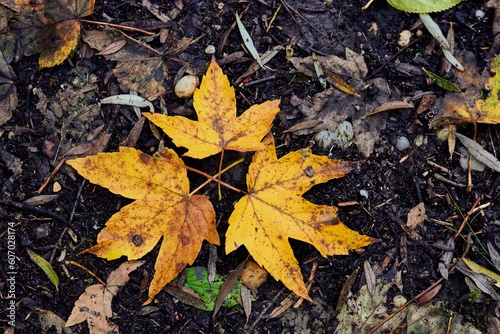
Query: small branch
x=117, y=26
x=86, y=270
x=217, y=177
x=31, y=208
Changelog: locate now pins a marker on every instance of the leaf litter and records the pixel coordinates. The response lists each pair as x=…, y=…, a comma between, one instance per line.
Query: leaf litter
x=262, y=220
x=333, y=106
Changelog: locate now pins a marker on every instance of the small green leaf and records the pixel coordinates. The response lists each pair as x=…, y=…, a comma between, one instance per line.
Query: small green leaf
x=197, y=280
x=442, y=82
x=45, y=266
x=423, y=6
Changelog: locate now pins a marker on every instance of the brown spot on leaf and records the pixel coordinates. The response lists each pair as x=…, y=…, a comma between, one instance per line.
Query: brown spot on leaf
x=137, y=240
x=145, y=157
x=179, y=267
x=185, y=240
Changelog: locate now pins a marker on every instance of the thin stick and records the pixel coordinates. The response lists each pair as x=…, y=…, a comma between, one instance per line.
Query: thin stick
x=466, y=219
x=117, y=26
x=24, y=206
x=220, y=173
x=138, y=42
x=86, y=270
x=217, y=175
x=52, y=174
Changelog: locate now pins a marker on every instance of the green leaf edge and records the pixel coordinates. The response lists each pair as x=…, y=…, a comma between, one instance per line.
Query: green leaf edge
x=409, y=6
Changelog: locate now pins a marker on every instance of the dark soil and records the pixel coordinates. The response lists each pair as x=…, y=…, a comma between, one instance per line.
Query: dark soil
x=395, y=180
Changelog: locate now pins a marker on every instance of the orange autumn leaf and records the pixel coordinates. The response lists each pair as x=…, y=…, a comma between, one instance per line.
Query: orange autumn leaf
x=163, y=207
x=48, y=27
x=218, y=128
x=274, y=210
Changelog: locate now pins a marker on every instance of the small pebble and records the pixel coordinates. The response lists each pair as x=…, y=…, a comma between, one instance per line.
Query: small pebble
x=363, y=193
x=420, y=140
x=210, y=50
x=186, y=86
x=404, y=38
x=399, y=300
x=56, y=187
x=479, y=14
x=403, y=143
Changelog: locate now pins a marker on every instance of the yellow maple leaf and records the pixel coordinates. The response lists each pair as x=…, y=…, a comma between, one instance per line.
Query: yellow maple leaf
x=163, y=207
x=218, y=128
x=48, y=27
x=470, y=106
x=274, y=210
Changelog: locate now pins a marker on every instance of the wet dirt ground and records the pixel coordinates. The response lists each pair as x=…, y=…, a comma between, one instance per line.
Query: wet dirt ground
x=391, y=181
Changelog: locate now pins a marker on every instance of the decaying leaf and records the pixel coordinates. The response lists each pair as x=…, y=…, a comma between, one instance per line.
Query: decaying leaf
x=274, y=211
x=162, y=208
x=48, y=27
x=416, y=218
x=94, y=304
x=136, y=69
x=218, y=128
x=49, y=319
x=332, y=106
x=470, y=106
x=362, y=312
x=484, y=279
x=8, y=90
x=353, y=65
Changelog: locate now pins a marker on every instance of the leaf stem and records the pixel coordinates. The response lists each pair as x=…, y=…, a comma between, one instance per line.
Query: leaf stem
x=216, y=178
x=88, y=271
x=117, y=26
x=220, y=173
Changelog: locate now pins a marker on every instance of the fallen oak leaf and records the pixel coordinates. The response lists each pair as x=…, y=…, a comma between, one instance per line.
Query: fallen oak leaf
x=48, y=27
x=274, y=210
x=163, y=207
x=218, y=128
x=94, y=304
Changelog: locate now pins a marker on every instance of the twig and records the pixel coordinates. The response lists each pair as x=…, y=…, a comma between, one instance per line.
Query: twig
x=466, y=219
x=390, y=60
x=138, y=42
x=117, y=26
x=28, y=207
x=86, y=270
x=443, y=179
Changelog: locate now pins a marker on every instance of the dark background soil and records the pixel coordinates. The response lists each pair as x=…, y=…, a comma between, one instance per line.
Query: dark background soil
x=401, y=185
